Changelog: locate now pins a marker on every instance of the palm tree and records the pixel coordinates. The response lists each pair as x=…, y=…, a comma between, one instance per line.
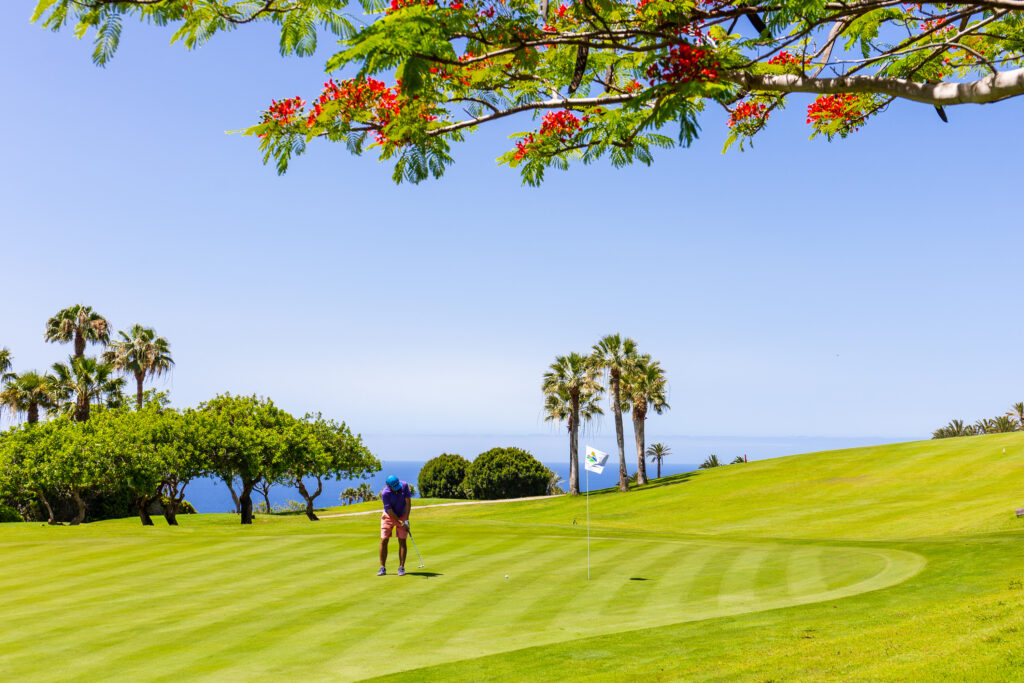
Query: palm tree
x=957, y=428
x=613, y=354
x=5, y=361
x=349, y=495
x=984, y=426
x=27, y=393
x=571, y=391
x=657, y=452
x=1017, y=413
x=643, y=386
x=80, y=324
x=712, y=461
x=365, y=493
x=738, y=460
x=139, y=353
x=1002, y=424
x=88, y=381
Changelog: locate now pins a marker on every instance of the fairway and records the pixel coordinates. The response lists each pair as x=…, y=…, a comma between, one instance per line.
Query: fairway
x=316, y=593
x=288, y=599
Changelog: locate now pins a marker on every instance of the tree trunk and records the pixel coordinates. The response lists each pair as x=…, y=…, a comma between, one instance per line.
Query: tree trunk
x=81, y=409
x=171, y=511
x=639, y=420
x=309, y=498
x=142, y=505
x=245, y=501
x=574, y=447
x=617, y=408
x=46, y=503
x=139, y=377
x=80, y=516
x=234, y=496
x=33, y=413
x=659, y=467
x=174, y=498
x=79, y=345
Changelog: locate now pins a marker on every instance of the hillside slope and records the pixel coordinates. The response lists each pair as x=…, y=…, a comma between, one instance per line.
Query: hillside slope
x=897, y=491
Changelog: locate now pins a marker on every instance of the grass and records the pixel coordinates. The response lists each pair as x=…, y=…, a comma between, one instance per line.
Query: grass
x=900, y=562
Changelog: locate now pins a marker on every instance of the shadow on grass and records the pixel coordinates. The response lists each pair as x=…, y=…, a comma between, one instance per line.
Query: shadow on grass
x=652, y=483
x=638, y=578
x=425, y=575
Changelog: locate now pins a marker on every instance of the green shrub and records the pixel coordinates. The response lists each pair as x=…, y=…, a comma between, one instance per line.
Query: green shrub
x=9, y=514
x=187, y=508
x=506, y=473
x=442, y=477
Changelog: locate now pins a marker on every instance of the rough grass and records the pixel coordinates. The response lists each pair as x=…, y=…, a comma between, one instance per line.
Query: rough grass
x=893, y=563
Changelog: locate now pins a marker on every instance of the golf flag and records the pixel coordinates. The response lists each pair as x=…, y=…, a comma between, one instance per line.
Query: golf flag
x=595, y=460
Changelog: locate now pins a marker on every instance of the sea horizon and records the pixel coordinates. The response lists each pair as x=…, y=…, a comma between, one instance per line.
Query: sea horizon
x=211, y=494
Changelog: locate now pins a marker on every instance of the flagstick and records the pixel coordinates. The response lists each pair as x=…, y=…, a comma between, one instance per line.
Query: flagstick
x=588, y=525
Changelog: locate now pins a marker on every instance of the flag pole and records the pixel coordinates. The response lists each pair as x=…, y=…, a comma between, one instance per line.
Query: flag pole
x=588, y=524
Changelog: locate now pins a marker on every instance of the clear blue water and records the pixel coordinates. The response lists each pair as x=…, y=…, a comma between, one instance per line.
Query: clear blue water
x=211, y=495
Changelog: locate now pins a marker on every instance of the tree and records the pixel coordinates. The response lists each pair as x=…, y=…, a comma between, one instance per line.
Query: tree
x=984, y=426
x=572, y=389
x=506, y=473
x=442, y=476
x=1017, y=413
x=366, y=493
x=79, y=324
x=711, y=461
x=178, y=441
x=139, y=353
x=129, y=455
x=643, y=388
x=1002, y=424
x=613, y=354
x=263, y=488
x=21, y=471
x=69, y=458
x=5, y=361
x=242, y=436
x=87, y=380
x=658, y=452
x=613, y=79
x=27, y=393
x=955, y=428
x=318, y=448
x=349, y=496
x=738, y=460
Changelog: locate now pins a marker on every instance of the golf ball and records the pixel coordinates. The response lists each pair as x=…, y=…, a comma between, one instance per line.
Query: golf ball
x=506, y=576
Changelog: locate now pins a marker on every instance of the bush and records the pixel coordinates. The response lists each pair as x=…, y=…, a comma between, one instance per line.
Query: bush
x=9, y=514
x=442, y=477
x=506, y=473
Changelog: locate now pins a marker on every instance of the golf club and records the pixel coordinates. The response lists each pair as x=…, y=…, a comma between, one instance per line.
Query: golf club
x=409, y=530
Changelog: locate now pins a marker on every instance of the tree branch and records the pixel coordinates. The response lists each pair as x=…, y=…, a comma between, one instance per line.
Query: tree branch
x=991, y=88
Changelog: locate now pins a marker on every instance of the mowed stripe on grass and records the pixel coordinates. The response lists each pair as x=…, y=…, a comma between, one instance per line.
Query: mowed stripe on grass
x=156, y=603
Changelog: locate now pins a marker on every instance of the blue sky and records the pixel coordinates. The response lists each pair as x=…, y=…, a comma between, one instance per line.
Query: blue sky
x=865, y=289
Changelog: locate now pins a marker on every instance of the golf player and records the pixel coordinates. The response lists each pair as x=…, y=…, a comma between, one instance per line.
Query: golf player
x=397, y=498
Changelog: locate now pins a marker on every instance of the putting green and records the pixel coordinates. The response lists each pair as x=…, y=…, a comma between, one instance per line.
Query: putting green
x=224, y=603
x=810, y=567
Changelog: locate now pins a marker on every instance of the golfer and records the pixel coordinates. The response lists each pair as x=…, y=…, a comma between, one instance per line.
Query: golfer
x=397, y=498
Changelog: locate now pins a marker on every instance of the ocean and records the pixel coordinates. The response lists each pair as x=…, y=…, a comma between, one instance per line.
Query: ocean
x=404, y=454
x=211, y=495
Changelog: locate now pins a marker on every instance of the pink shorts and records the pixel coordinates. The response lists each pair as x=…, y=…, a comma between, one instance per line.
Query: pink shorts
x=387, y=524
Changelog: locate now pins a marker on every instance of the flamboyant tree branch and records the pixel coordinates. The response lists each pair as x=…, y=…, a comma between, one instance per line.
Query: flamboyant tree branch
x=406, y=73
x=991, y=88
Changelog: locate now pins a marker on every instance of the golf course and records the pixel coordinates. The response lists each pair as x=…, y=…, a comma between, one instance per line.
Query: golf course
x=895, y=562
